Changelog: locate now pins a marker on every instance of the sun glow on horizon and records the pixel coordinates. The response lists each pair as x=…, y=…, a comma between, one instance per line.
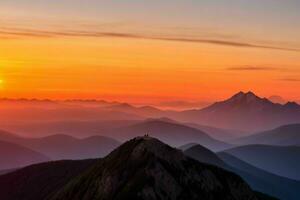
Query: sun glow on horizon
x=205, y=58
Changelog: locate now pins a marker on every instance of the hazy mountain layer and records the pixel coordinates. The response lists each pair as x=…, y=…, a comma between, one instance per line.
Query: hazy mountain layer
x=59, y=147
x=284, y=135
x=283, y=161
x=15, y=156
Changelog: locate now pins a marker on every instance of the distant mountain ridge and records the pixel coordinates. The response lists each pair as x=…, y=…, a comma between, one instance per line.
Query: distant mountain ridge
x=86, y=128
x=58, y=147
x=172, y=133
x=287, y=135
x=264, y=181
x=281, y=160
x=245, y=111
x=16, y=156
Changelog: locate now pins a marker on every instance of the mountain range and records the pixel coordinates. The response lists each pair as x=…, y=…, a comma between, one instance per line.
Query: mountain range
x=142, y=168
x=58, y=147
x=259, y=180
x=15, y=156
x=86, y=128
x=214, y=152
x=287, y=135
x=167, y=130
x=280, y=160
x=170, y=132
x=244, y=111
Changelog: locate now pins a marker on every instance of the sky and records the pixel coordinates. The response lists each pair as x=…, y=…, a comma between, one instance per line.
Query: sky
x=149, y=51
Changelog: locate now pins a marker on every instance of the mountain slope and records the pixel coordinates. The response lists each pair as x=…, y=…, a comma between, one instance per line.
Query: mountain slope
x=59, y=147
x=284, y=135
x=8, y=136
x=218, y=133
x=169, y=132
x=204, y=155
x=146, y=111
x=38, y=181
x=6, y=171
x=145, y=168
x=259, y=180
x=15, y=156
x=244, y=111
x=283, y=161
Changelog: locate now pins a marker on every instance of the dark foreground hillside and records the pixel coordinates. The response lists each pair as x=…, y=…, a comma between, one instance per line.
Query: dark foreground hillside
x=142, y=168
x=145, y=168
x=38, y=181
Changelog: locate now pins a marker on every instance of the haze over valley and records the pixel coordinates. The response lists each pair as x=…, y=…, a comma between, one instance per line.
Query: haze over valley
x=149, y=100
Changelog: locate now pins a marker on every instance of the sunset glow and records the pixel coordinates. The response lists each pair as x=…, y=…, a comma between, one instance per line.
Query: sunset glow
x=145, y=100
x=126, y=59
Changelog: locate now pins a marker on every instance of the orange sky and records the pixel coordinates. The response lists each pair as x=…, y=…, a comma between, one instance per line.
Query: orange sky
x=138, y=69
x=137, y=65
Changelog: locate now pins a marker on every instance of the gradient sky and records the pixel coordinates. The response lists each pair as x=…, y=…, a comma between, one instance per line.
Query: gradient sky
x=149, y=51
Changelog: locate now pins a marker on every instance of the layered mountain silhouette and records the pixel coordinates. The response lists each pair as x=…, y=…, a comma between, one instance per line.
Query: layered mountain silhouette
x=34, y=110
x=76, y=128
x=57, y=147
x=60, y=112
x=167, y=130
x=281, y=160
x=142, y=168
x=284, y=135
x=259, y=180
x=245, y=111
x=145, y=111
x=218, y=133
x=15, y=156
x=170, y=132
x=86, y=128
x=145, y=168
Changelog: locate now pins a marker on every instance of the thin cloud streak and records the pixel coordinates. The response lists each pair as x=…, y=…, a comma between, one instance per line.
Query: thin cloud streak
x=251, y=68
x=41, y=33
x=229, y=43
x=290, y=79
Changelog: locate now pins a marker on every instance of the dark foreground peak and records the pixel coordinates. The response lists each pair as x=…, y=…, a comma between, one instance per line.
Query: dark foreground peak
x=145, y=168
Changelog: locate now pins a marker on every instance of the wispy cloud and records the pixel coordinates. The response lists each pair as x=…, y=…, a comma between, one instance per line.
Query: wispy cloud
x=251, y=68
x=16, y=32
x=231, y=43
x=71, y=33
x=291, y=79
